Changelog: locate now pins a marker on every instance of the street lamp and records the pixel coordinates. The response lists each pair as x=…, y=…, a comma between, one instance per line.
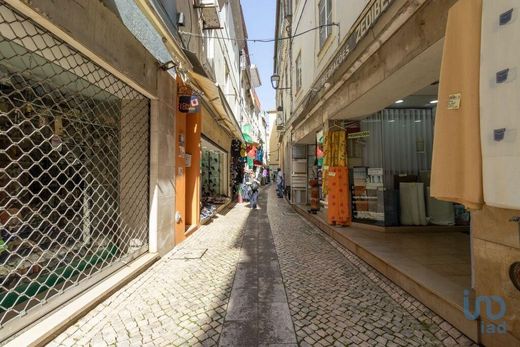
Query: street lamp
x=275, y=80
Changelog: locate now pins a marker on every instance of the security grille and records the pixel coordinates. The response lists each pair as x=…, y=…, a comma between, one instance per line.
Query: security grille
x=74, y=144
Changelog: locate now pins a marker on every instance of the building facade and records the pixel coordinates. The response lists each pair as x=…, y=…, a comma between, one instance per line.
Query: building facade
x=370, y=71
x=110, y=115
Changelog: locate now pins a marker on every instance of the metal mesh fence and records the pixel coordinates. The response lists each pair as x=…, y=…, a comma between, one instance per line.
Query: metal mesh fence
x=74, y=144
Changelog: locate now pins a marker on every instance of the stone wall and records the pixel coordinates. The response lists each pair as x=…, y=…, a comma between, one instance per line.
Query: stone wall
x=495, y=246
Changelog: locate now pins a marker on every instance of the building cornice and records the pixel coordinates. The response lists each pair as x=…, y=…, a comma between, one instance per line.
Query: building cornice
x=346, y=60
x=171, y=42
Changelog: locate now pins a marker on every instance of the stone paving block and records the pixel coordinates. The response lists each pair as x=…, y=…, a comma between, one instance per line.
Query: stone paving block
x=275, y=324
x=270, y=290
x=243, y=304
x=239, y=333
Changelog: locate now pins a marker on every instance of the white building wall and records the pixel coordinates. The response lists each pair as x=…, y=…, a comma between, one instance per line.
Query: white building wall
x=313, y=58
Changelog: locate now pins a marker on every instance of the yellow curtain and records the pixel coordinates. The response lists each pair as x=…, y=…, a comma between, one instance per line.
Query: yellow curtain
x=457, y=161
x=335, y=154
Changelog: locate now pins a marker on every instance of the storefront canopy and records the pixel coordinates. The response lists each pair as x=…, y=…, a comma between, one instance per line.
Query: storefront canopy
x=216, y=98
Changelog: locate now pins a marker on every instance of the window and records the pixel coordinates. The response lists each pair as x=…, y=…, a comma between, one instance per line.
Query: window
x=227, y=83
x=287, y=79
x=325, y=12
x=288, y=8
x=299, y=72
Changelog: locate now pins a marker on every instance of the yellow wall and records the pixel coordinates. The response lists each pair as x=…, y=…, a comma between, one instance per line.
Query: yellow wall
x=275, y=148
x=180, y=177
x=193, y=130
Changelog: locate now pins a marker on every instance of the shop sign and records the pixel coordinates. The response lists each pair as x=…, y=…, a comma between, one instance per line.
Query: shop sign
x=376, y=9
x=359, y=135
x=189, y=104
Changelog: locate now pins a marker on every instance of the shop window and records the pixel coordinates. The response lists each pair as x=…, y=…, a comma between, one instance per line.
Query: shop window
x=325, y=19
x=214, y=168
x=74, y=154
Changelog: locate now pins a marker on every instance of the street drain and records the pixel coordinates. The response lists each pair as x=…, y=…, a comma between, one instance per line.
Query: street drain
x=289, y=213
x=189, y=254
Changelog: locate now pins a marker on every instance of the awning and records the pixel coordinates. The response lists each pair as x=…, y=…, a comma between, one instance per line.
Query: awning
x=214, y=96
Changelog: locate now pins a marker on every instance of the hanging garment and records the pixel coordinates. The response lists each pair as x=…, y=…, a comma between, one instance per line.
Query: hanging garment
x=260, y=154
x=411, y=196
x=335, y=153
x=339, y=209
x=457, y=161
x=251, y=151
x=500, y=103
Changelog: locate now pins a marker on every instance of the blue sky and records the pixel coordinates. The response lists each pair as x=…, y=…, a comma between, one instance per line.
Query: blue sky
x=260, y=17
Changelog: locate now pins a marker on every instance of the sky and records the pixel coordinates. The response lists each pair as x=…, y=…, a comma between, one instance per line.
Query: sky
x=260, y=17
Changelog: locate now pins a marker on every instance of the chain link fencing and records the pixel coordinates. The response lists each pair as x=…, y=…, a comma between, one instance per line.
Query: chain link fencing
x=74, y=166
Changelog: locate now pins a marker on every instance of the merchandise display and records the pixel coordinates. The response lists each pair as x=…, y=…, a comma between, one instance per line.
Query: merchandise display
x=457, y=160
x=367, y=194
x=335, y=154
x=212, y=190
x=210, y=173
x=500, y=103
x=339, y=210
x=413, y=211
x=209, y=207
x=236, y=167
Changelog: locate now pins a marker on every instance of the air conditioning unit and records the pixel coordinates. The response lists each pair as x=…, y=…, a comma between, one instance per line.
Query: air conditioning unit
x=206, y=3
x=210, y=11
x=255, y=76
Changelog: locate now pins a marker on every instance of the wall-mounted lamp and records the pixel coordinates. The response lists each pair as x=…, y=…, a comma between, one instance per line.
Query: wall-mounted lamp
x=168, y=65
x=275, y=80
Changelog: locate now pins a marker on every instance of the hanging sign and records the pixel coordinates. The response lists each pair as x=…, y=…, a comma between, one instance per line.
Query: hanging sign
x=189, y=104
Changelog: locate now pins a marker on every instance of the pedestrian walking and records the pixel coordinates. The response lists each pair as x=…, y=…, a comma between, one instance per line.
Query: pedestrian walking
x=264, y=176
x=279, y=183
x=254, y=185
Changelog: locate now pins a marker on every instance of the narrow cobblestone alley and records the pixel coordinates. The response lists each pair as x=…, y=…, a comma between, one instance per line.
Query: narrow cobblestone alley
x=261, y=277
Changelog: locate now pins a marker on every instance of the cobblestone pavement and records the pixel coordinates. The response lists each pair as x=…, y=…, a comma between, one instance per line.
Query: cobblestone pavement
x=337, y=299
x=238, y=289
x=177, y=302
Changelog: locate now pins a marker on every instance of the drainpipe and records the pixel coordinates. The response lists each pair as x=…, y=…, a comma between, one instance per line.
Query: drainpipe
x=291, y=94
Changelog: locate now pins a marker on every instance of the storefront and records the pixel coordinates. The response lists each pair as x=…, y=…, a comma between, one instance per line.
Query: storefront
x=214, y=177
x=389, y=157
x=74, y=171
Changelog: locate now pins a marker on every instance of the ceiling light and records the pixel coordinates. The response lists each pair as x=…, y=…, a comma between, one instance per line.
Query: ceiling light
x=399, y=101
x=434, y=101
x=418, y=121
